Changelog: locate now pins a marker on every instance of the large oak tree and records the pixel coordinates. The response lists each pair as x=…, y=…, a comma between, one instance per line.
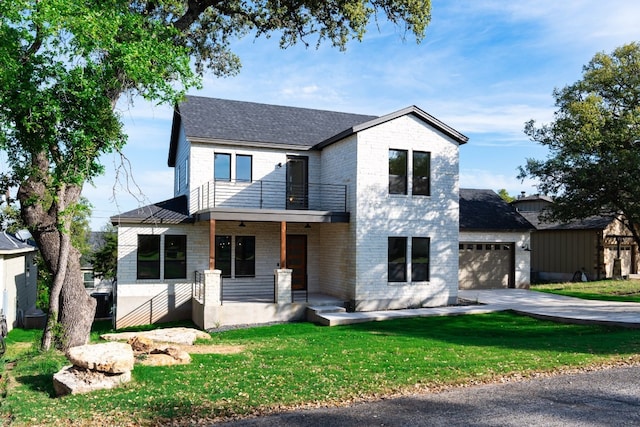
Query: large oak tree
x=593, y=166
x=65, y=65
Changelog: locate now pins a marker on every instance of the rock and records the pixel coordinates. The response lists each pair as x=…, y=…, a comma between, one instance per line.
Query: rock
x=74, y=380
x=112, y=357
x=140, y=344
x=166, y=356
x=170, y=335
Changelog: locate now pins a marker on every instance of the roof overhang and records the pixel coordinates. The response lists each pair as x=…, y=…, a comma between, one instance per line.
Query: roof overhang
x=268, y=215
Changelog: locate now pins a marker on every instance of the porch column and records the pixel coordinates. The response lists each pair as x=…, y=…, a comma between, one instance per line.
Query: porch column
x=212, y=244
x=283, y=245
x=283, y=286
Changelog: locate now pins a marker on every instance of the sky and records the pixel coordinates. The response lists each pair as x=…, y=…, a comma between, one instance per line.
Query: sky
x=484, y=68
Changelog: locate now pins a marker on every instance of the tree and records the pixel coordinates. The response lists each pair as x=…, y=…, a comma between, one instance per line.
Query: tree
x=65, y=65
x=504, y=195
x=104, y=258
x=594, y=143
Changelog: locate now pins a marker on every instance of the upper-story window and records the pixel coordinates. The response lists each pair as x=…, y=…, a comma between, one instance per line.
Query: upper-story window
x=421, y=173
x=243, y=167
x=397, y=172
x=222, y=167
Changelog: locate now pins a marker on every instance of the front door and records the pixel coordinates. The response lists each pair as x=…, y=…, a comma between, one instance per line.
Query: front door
x=297, y=261
x=297, y=182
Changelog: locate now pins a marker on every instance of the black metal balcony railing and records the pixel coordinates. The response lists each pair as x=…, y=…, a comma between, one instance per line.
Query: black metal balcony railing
x=269, y=195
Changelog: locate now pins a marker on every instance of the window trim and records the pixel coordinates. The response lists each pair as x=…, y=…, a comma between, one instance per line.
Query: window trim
x=404, y=190
x=216, y=169
x=391, y=277
x=415, y=177
x=414, y=257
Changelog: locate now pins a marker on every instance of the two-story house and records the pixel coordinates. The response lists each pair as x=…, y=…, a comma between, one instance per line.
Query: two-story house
x=277, y=207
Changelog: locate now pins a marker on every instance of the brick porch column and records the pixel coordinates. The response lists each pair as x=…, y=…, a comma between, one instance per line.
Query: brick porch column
x=212, y=287
x=283, y=286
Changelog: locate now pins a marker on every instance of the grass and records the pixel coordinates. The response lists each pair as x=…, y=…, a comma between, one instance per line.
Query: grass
x=289, y=365
x=608, y=290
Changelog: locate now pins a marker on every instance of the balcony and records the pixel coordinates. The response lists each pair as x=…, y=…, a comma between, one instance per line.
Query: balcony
x=268, y=195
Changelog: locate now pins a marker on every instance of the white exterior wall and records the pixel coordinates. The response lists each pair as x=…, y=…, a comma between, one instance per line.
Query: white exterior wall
x=337, y=253
x=18, y=287
x=521, y=241
x=140, y=302
x=267, y=165
x=379, y=215
x=181, y=171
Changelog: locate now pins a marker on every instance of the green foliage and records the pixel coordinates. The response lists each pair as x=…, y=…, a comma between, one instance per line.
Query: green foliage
x=105, y=257
x=504, y=194
x=605, y=290
x=282, y=366
x=594, y=142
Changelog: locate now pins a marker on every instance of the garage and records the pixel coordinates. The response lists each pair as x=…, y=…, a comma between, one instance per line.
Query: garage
x=486, y=265
x=494, y=243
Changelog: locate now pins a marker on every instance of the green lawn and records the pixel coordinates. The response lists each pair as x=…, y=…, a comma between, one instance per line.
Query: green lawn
x=608, y=290
x=297, y=364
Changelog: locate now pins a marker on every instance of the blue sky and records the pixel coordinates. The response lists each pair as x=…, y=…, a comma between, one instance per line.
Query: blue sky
x=484, y=68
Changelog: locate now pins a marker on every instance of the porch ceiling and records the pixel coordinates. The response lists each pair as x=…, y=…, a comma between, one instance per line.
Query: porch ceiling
x=269, y=215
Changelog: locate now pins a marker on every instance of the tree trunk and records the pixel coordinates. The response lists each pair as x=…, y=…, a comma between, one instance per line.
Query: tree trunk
x=69, y=304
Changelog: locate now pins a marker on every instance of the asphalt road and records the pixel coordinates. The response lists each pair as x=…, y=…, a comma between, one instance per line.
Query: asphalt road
x=609, y=397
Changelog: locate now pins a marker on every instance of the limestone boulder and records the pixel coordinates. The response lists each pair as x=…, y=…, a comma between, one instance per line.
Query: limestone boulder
x=185, y=336
x=166, y=356
x=141, y=344
x=75, y=380
x=111, y=357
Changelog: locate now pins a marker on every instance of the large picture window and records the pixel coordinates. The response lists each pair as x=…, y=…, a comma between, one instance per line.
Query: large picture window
x=397, y=259
x=420, y=259
x=222, y=167
x=175, y=257
x=245, y=256
x=223, y=255
x=397, y=172
x=421, y=173
x=243, y=167
x=148, y=258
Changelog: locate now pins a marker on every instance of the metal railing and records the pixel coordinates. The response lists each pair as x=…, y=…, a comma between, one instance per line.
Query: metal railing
x=249, y=289
x=198, y=287
x=269, y=195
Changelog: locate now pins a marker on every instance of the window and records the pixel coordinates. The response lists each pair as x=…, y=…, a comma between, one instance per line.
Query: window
x=243, y=167
x=148, y=262
x=397, y=172
x=223, y=255
x=222, y=167
x=245, y=256
x=420, y=259
x=397, y=268
x=175, y=257
x=87, y=277
x=421, y=173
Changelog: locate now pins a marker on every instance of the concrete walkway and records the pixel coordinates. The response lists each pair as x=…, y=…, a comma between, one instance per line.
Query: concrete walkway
x=538, y=304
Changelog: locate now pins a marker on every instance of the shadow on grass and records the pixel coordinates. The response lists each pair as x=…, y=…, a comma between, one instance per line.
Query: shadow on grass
x=42, y=383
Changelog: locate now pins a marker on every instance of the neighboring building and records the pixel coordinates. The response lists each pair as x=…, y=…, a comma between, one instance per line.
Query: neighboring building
x=18, y=274
x=599, y=246
x=494, y=242
x=278, y=207
x=97, y=286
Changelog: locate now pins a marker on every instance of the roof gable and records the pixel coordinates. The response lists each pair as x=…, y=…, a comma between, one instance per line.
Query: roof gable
x=9, y=244
x=239, y=122
x=485, y=210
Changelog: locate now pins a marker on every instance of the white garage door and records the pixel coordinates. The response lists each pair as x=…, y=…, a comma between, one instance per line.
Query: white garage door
x=485, y=265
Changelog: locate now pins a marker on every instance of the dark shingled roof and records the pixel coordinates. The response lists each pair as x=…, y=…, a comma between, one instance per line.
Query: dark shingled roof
x=10, y=244
x=172, y=211
x=255, y=123
x=590, y=223
x=485, y=210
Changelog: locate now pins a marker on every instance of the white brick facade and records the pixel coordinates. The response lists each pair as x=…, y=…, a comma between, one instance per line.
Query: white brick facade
x=345, y=260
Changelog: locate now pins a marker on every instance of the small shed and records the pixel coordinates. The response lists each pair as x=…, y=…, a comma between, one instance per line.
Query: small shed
x=18, y=274
x=494, y=242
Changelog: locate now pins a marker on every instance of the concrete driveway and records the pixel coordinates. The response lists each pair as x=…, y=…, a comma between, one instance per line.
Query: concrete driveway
x=558, y=307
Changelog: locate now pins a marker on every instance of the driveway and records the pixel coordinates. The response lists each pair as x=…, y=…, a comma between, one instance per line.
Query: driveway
x=558, y=307
x=608, y=397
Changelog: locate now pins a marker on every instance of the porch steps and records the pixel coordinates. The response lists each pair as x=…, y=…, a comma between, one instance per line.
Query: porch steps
x=316, y=313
